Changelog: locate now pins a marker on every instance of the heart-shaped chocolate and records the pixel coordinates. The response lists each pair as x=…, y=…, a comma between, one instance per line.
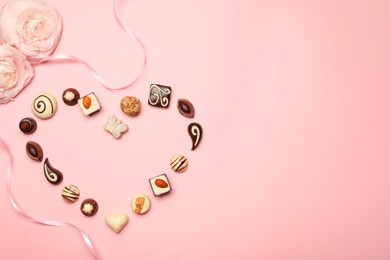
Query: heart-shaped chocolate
x=117, y=222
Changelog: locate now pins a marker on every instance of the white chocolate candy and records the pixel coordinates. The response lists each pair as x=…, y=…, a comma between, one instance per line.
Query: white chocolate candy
x=140, y=204
x=160, y=185
x=117, y=222
x=89, y=104
x=44, y=106
x=115, y=127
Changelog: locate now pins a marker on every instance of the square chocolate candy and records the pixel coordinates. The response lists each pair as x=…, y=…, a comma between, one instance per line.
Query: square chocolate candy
x=160, y=185
x=89, y=104
x=160, y=96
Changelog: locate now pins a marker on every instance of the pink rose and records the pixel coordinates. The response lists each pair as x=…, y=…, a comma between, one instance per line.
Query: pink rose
x=31, y=26
x=16, y=72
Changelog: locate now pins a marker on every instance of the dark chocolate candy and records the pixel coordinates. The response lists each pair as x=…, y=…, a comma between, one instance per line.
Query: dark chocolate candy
x=186, y=108
x=34, y=151
x=28, y=125
x=70, y=96
x=89, y=207
x=159, y=96
x=52, y=175
x=196, y=132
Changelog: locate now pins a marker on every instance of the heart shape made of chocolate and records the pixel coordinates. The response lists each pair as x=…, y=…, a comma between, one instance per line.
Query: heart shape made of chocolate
x=117, y=222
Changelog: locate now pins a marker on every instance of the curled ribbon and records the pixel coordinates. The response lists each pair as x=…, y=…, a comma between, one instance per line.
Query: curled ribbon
x=19, y=210
x=65, y=57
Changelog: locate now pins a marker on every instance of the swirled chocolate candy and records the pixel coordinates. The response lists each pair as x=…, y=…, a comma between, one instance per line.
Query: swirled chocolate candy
x=159, y=96
x=89, y=207
x=34, y=151
x=186, y=108
x=196, y=132
x=70, y=193
x=70, y=96
x=52, y=175
x=28, y=125
x=179, y=163
x=140, y=204
x=44, y=106
x=160, y=185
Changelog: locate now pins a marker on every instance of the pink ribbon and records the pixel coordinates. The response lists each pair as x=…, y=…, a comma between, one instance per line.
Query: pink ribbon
x=65, y=57
x=19, y=210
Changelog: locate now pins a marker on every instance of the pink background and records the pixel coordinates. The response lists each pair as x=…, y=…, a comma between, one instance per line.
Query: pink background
x=293, y=97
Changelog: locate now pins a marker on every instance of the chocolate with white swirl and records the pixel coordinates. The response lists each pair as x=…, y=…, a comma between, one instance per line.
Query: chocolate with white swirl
x=44, y=106
x=52, y=175
x=196, y=132
x=70, y=193
x=159, y=96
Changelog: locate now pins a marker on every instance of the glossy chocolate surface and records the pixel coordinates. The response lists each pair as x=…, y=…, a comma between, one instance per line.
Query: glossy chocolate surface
x=186, y=108
x=34, y=151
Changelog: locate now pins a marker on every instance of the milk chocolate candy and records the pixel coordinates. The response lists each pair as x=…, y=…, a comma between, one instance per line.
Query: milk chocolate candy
x=34, y=151
x=159, y=96
x=28, y=125
x=186, y=108
x=130, y=105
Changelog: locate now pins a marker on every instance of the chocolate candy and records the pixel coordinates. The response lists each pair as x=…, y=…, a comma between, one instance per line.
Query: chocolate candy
x=89, y=207
x=160, y=185
x=44, y=106
x=179, y=163
x=34, y=151
x=159, y=96
x=28, y=125
x=70, y=193
x=89, y=104
x=196, y=132
x=70, y=96
x=115, y=127
x=186, y=108
x=117, y=222
x=140, y=204
x=130, y=105
x=52, y=175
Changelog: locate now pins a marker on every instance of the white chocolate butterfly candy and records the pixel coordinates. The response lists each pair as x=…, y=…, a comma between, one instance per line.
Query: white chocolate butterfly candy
x=115, y=127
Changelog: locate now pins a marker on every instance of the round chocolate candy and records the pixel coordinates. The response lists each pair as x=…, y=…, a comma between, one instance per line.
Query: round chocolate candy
x=28, y=125
x=179, y=163
x=89, y=207
x=70, y=96
x=44, y=106
x=130, y=105
x=140, y=204
x=70, y=193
